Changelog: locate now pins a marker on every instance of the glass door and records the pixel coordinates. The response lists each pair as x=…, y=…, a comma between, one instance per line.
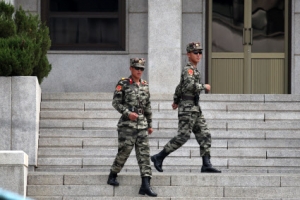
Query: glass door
x=248, y=46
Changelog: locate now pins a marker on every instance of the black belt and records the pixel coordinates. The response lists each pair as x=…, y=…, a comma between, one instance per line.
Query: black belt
x=185, y=97
x=139, y=111
x=191, y=98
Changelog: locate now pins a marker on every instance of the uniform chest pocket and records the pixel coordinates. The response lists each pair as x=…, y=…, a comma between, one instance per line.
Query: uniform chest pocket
x=144, y=96
x=130, y=95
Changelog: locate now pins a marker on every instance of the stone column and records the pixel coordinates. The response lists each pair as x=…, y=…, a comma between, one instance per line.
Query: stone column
x=295, y=47
x=164, y=45
x=5, y=113
x=25, y=115
x=13, y=171
x=20, y=101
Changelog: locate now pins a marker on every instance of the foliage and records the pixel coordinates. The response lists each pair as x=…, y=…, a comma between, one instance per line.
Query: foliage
x=24, y=42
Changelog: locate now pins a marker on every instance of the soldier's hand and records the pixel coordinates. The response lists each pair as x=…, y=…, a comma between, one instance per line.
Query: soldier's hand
x=207, y=87
x=150, y=130
x=133, y=116
x=174, y=106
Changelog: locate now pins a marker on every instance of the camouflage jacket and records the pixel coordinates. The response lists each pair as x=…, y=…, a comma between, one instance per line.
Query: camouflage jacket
x=130, y=97
x=189, y=85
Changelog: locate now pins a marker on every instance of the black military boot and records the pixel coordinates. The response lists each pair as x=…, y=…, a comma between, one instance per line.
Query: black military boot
x=112, y=179
x=207, y=166
x=146, y=188
x=158, y=159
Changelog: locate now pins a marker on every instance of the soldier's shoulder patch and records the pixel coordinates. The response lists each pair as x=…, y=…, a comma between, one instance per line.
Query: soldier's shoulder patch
x=119, y=88
x=190, y=72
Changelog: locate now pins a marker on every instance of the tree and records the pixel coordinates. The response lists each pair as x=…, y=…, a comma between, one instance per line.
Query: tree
x=24, y=42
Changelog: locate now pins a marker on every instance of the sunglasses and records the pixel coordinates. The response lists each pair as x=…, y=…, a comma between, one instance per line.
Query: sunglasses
x=139, y=68
x=197, y=52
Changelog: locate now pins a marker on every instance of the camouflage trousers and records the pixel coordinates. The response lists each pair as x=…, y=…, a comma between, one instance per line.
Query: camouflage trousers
x=129, y=138
x=191, y=122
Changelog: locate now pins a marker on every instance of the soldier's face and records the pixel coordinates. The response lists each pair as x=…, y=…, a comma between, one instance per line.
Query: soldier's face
x=194, y=57
x=136, y=73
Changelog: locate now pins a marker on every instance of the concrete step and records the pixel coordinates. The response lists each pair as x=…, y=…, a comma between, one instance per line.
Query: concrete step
x=138, y=198
x=159, y=198
x=104, y=162
x=160, y=143
x=172, y=169
x=166, y=106
x=77, y=96
x=238, y=125
x=168, y=179
x=161, y=116
x=111, y=114
x=243, y=125
x=168, y=134
x=169, y=168
x=182, y=152
x=171, y=186
x=263, y=98
x=113, y=142
x=266, y=153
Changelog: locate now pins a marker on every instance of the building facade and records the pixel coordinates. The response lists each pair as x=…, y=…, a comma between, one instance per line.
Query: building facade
x=250, y=46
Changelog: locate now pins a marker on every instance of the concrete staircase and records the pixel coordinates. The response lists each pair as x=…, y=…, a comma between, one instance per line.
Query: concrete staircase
x=256, y=144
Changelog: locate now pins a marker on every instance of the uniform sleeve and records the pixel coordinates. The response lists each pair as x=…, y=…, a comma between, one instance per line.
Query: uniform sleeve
x=118, y=102
x=199, y=87
x=189, y=83
x=177, y=94
x=148, y=112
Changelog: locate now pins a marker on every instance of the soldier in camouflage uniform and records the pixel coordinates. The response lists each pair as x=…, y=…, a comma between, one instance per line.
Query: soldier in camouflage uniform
x=132, y=100
x=190, y=116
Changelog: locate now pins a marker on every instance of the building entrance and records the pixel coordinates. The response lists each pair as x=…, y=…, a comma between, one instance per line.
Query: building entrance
x=248, y=46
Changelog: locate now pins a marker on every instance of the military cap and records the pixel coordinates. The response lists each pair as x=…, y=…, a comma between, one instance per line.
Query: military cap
x=193, y=46
x=137, y=62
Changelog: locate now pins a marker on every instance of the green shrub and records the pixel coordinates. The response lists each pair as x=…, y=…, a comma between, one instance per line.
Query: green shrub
x=24, y=42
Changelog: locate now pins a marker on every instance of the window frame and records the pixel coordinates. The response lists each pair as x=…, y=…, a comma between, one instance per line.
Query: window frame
x=120, y=15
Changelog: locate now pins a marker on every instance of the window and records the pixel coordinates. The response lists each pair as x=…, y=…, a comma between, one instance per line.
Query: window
x=85, y=24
